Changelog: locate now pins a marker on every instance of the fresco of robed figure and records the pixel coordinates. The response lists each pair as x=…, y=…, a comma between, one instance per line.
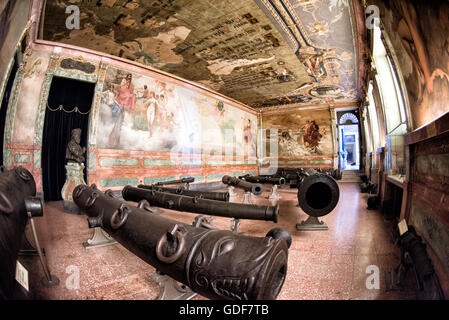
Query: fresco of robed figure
x=138, y=112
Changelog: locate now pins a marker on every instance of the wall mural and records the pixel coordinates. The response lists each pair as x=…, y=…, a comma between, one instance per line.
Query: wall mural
x=28, y=100
x=302, y=133
x=141, y=113
x=247, y=50
x=418, y=32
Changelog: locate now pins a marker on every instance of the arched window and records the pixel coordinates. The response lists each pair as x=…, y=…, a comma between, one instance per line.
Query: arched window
x=349, y=118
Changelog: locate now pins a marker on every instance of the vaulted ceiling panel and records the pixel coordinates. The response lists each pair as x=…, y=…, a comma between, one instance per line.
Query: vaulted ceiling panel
x=260, y=52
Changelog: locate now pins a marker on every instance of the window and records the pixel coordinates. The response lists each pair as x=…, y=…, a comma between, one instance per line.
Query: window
x=374, y=122
x=390, y=92
x=393, y=108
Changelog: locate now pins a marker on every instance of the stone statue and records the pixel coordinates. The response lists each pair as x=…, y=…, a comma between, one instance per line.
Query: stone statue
x=74, y=151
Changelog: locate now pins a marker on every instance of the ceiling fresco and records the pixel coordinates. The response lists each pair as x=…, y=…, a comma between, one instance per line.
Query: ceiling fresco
x=259, y=52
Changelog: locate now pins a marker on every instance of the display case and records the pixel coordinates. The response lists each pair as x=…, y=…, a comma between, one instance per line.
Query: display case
x=395, y=154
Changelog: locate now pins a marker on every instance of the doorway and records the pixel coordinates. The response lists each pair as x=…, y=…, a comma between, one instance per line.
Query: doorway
x=68, y=107
x=348, y=137
x=4, y=105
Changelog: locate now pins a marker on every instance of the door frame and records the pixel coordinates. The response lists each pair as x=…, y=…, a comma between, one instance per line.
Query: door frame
x=338, y=135
x=96, y=77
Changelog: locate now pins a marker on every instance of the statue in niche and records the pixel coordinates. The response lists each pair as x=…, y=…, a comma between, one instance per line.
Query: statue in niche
x=74, y=152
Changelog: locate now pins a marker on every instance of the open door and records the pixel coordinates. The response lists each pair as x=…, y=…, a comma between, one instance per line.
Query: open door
x=349, y=146
x=68, y=108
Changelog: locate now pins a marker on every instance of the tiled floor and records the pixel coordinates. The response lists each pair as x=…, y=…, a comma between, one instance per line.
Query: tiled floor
x=328, y=264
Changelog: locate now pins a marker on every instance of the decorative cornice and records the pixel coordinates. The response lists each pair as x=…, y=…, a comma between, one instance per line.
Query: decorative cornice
x=132, y=66
x=299, y=107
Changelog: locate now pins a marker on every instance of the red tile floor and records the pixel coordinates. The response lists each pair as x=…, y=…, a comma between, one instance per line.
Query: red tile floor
x=323, y=265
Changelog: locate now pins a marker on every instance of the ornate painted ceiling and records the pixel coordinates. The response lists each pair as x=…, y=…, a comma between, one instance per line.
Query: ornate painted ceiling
x=260, y=52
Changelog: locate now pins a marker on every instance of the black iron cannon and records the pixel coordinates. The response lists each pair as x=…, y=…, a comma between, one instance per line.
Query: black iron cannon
x=254, y=188
x=202, y=206
x=179, y=181
x=318, y=193
x=217, y=264
x=219, y=196
x=293, y=176
x=264, y=179
x=15, y=186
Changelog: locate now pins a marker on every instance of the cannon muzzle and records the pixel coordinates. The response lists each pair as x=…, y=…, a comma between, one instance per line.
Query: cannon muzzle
x=318, y=194
x=217, y=264
x=254, y=188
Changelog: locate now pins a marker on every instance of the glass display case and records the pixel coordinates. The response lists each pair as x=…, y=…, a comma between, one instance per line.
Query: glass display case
x=395, y=154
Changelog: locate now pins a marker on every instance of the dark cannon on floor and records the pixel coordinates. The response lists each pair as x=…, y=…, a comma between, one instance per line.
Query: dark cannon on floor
x=218, y=264
x=254, y=188
x=179, y=181
x=201, y=206
x=264, y=179
x=15, y=186
x=219, y=196
x=318, y=193
x=293, y=176
x=289, y=175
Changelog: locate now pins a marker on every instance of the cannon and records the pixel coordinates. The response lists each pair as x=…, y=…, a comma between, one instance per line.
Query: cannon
x=202, y=206
x=183, y=180
x=217, y=264
x=414, y=257
x=293, y=175
x=264, y=179
x=254, y=188
x=318, y=193
x=219, y=196
x=15, y=186
x=288, y=175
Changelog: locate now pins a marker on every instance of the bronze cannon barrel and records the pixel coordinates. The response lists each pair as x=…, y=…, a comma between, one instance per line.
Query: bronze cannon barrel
x=202, y=206
x=254, y=188
x=217, y=264
x=318, y=193
x=15, y=186
x=183, y=180
x=219, y=196
x=264, y=179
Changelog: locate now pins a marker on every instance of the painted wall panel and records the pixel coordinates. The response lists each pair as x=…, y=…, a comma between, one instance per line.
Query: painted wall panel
x=418, y=33
x=303, y=137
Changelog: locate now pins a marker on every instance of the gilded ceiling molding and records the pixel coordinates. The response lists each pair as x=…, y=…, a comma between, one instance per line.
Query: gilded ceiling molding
x=269, y=9
x=360, y=39
x=297, y=23
x=298, y=107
